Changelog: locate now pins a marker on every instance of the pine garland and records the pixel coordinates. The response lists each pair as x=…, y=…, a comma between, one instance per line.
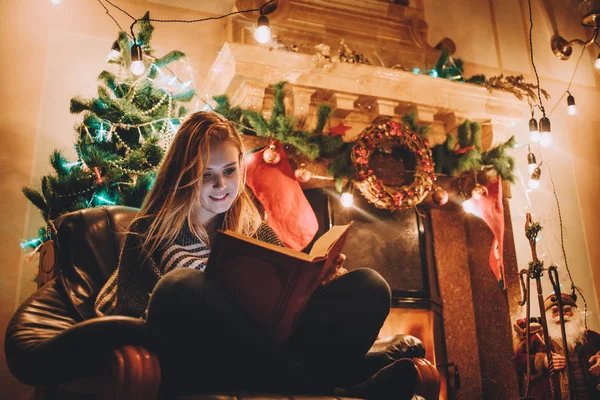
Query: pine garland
x=457, y=156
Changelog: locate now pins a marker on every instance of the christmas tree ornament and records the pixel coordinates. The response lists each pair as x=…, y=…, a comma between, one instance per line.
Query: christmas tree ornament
x=339, y=130
x=98, y=175
x=271, y=155
x=479, y=192
x=440, y=196
x=302, y=174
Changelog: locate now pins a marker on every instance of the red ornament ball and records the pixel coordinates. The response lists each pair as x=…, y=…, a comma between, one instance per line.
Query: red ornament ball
x=302, y=174
x=440, y=197
x=271, y=155
x=479, y=192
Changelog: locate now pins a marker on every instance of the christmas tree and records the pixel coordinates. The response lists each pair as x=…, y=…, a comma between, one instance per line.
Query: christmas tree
x=123, y=134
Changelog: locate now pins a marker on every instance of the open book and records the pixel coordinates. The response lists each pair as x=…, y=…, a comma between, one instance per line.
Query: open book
x=272, y=284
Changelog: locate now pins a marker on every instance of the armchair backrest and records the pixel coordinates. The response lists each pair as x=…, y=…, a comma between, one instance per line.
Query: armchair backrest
x=88, y=243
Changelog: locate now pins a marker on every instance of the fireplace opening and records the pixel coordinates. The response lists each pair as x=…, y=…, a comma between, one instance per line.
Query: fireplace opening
x=398, y=245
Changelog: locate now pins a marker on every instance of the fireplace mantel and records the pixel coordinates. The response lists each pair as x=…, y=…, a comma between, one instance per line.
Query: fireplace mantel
x=359, y=94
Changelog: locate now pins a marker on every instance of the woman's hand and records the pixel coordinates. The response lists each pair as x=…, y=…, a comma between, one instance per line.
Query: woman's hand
x=595, y=364
x=338, y=269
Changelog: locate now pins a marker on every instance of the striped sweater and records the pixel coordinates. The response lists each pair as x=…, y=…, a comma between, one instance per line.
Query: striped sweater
x=127, y=290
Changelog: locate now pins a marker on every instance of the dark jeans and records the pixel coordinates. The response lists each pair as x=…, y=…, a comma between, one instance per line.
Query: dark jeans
x=211, y=344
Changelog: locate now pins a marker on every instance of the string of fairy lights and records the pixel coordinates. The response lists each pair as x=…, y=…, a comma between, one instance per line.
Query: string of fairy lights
x=540, y=134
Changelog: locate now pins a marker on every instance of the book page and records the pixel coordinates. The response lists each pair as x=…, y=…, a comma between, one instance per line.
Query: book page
x=271, y=246
x=323, y=245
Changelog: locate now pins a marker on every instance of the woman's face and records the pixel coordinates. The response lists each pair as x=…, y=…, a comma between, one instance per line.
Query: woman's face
x=220, y=181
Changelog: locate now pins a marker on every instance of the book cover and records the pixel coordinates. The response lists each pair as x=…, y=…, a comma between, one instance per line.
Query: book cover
x=272, y=284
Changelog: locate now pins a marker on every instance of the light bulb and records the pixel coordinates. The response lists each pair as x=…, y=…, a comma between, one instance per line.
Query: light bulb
x=533, y=184
x=56, y=1
x=531, y=163
x=571, y=108
x=469, y=207
x=597, y=63
x=534, y=133
x=546, y=139
x=137, y=67
x=347, y=199
x=534, y=181
x=262, y=34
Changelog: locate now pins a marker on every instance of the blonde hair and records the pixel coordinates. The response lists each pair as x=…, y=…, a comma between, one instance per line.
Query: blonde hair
x=174, y=198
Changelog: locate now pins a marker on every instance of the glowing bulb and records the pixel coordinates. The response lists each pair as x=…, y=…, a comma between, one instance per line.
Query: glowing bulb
x=571, y=108
x=137, y=67
x=56, y=1
x=347, y=199
x=531, y=163
x=534, y=133
x=262, y=34
x=534, y=181
x=533, y=184
x=469, y=207
x=546, y=139
x=597, y=63
x=534, y=136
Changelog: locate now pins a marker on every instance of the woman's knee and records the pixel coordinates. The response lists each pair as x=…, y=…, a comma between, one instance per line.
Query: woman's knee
x=176, y=288
x=370, y=282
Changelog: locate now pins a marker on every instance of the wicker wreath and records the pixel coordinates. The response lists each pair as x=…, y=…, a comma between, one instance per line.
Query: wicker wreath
x=387, y=137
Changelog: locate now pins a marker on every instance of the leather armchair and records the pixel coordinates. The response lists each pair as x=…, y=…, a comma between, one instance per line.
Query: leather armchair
x=54, y=340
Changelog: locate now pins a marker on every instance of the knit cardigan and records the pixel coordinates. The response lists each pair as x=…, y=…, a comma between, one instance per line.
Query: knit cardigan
x=127, y=290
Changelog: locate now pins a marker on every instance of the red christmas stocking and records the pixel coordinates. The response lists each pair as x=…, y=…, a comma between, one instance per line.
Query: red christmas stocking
x=491, y=209
x=289, y=212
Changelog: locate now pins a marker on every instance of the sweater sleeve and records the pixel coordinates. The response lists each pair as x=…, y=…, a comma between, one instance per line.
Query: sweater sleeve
x=127, y=290
x=266, y=234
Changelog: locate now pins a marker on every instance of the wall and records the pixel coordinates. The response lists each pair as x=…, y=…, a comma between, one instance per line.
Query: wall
x=53, y=52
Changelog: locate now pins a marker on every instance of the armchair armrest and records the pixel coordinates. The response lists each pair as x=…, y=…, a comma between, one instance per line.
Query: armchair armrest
x=134, y=374
x=44, y=345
